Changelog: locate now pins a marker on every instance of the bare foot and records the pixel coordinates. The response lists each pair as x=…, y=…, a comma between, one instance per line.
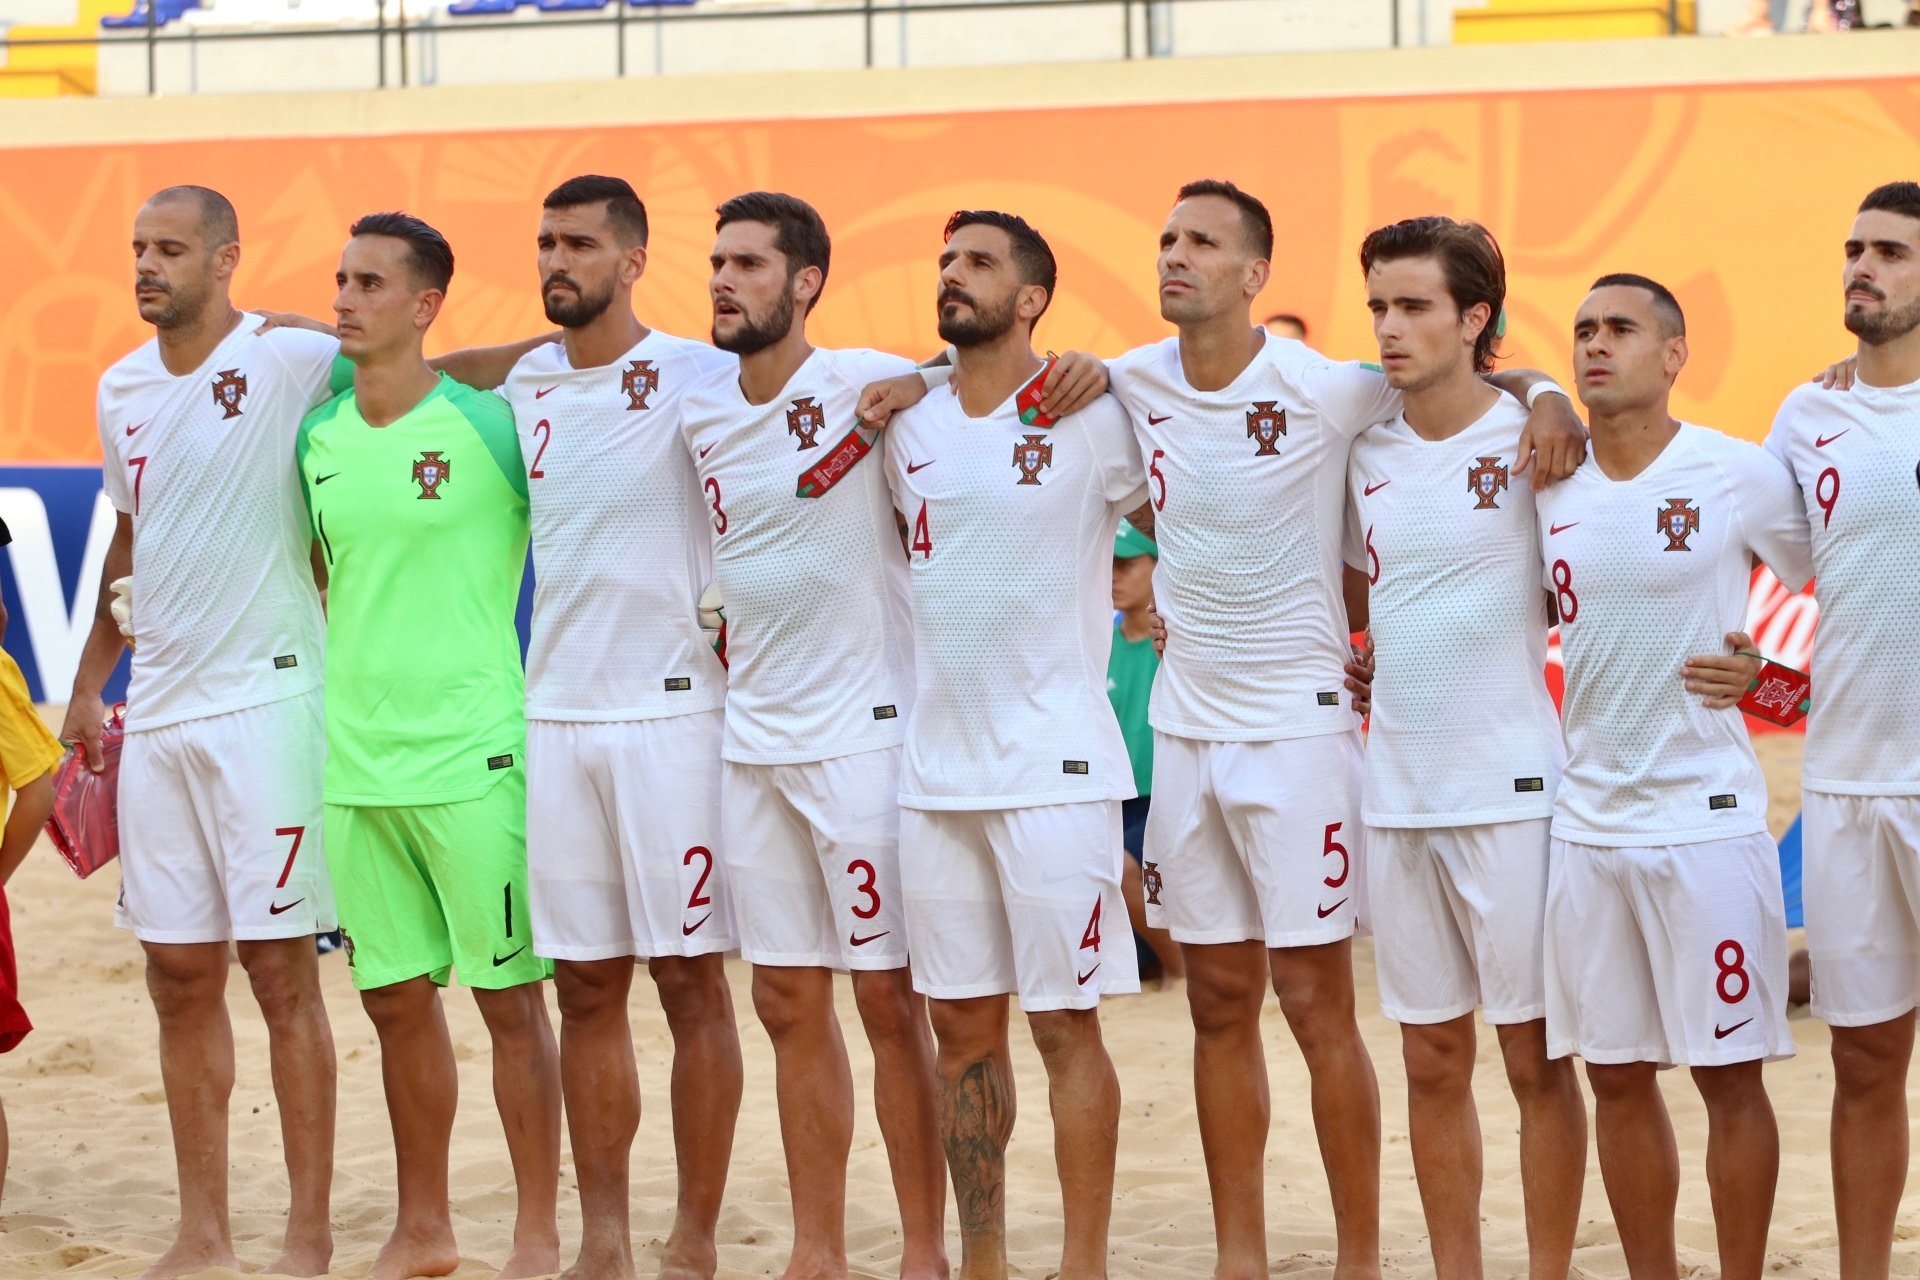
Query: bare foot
x=303, y=1257
x=815, y=1268
x=190, y=1257
x=684, y=1261
x=602, y=1260
x=533, y=1258
x=924, y=1264
x=410, y=1254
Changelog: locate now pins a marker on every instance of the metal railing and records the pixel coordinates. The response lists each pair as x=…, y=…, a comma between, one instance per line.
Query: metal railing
x=392, y=23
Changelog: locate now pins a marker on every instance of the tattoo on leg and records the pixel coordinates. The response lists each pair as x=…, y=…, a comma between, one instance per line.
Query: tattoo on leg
x=976, y=1119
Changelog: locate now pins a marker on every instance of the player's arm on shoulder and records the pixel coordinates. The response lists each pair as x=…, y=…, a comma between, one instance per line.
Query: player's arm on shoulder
x=1350, y=394
x=484, y=368
x=1774, y=514
x=1839, y=375
x=1554, y=441
x=1075, y=381
x=1116, y=452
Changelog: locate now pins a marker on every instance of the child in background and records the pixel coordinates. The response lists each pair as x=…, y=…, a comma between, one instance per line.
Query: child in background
x=1130, y=670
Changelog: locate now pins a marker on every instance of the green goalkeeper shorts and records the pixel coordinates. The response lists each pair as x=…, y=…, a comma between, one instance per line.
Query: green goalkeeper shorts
x=425, y=889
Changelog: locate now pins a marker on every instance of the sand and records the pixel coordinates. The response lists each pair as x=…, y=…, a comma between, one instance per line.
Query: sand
x=91, y=1184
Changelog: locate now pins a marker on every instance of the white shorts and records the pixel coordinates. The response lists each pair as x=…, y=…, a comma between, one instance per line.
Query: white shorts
x=1256, y=840
x=1458, y=914
x=1675, y=955
x=220, y=827
x=623, y=820
x=812, y=853
x=1026, y=900
x=1861, y=876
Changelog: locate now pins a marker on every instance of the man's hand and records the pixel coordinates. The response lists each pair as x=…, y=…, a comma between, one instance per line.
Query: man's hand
x=1075, y=381
x=1838, y=376
x=1553, y=443
x=1721, y=679
x=1157, y=628
x=291, y=320
x=86, y=717
x=1360, y=676
x=881, y=400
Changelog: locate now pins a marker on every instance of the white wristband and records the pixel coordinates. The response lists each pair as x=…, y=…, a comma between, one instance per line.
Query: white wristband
x=1539, y=389
x=935, y=375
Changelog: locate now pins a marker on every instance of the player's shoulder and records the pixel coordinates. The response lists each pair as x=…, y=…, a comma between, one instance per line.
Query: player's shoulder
x=547, y=358
x=482, y=408
x=855, y=367
x=1807, y=407
x=330, y=410
x=140, y=365
x=696, y=357
x=713, y=388
x=291, y=346
x=1144, y=360
x=1104, y=413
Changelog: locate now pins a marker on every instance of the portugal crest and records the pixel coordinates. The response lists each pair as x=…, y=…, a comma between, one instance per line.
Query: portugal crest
x=430, y=472
x=1484, y=481
x=229, y=389
x=640, y=380
x=1151, y=882
x=1679, y=522
x=1266, y=424
x=1030, y=453
x=805, y=420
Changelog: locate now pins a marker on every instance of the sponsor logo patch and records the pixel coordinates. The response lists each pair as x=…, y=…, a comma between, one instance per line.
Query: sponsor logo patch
x=1723, y=802
x=1073, y=766
x=888, y=712
x=286, y=660
x=1529, y=784
x=679, y=684
x=500, y=762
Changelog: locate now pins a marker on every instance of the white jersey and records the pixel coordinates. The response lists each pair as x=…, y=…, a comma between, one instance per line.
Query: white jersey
x=621, y=544
x=1011, y=544
x=820, y=663
x=1856, y=457
x=1647, y=573
x=1464, y=730
x=1249, y=489
x=228, y=615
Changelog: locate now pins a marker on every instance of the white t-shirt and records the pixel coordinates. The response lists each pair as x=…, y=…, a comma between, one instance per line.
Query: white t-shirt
x=1464, y=730
x=622, y=545
x=1249, y=487
x=1856, y=457
x=1010, y=539
x=820, y=659
x=1649, y=572
x=226, y=615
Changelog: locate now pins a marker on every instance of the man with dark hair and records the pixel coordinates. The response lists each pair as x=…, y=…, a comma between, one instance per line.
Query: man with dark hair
x=1856, y=457
x=624, y=699
x=1665, y=929
x=1456, y=817
x=820, y=679
x=419, y=509
x=1285, y=324
x=1015, y=766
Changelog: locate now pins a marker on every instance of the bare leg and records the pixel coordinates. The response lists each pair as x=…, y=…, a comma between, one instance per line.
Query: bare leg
x=285, y=976
x=1640, y=1164
x=707, y=1081
x=601, y=1088
x=1869, y=1141
x=1084, y=1095
x=1158, y=941
x=815, y=1090
x=1553, y=1144
x=526, y=1091
x=1743, y=1164
x=904, y=1085
x=976, y=1121
x=188, y=983
x=422, y=1087
x=1445, y=1131
x=1315, y=986
x=1225, y=988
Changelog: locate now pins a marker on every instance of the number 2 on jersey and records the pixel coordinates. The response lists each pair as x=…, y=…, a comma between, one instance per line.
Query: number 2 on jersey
x=544, y=430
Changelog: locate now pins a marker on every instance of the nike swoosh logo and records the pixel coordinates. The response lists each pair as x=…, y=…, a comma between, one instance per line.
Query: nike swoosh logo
x=137, y=426
x=688, y=930
x=500, y=960
x=1721, y=1033
x=1820, y=443
x=704, y=452
x=919, y=466
x=274, y=908
x=1154, y=422
x=544, y=390
x=319, y=480
x=1327, y=911
x=1372, y=489
x=858, y=941
x=1561, y=528
x=1081, y=979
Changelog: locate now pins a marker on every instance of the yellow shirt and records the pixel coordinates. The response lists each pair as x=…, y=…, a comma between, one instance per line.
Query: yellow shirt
x=27, y=747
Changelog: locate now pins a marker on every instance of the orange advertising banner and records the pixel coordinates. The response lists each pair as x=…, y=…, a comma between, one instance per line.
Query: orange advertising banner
x=1737, y=196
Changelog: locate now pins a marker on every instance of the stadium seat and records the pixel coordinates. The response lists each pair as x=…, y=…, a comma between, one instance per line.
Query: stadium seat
x=474, y=8
x=564, y=6
x=167, y=11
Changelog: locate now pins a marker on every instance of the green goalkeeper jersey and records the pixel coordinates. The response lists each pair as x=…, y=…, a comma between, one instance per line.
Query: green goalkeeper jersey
x=423, y=524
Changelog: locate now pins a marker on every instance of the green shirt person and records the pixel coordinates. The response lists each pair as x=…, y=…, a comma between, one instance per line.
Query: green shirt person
x=418, y=499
